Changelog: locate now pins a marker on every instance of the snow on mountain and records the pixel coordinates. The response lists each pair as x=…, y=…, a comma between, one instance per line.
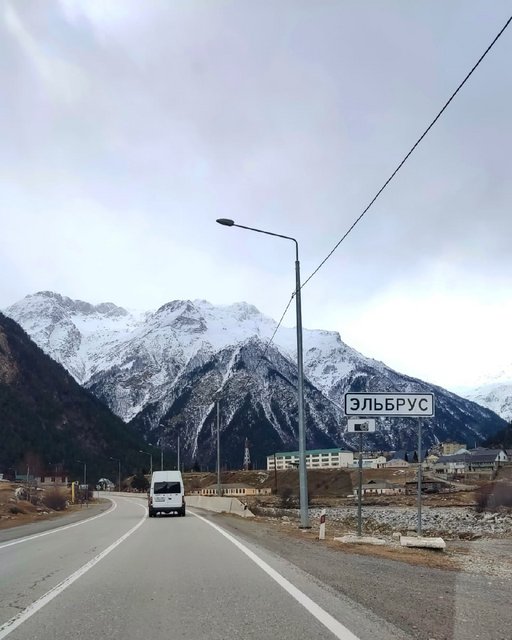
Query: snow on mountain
x=162, y=370
x=496, y=396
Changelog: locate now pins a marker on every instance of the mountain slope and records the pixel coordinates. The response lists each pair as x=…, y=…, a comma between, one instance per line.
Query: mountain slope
x=163, y=370
x=496, y=396
x=46, y=415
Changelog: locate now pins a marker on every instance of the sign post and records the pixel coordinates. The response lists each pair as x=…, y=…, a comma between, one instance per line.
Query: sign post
x=360, y=426
x=420, y=470
x=406, y=405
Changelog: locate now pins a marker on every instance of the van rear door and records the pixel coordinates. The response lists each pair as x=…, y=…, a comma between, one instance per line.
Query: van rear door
x=167, y=495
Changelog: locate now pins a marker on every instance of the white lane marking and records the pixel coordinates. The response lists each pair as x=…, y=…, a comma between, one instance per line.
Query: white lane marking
x=38, y=604
x=58, y=529
x=334, y=626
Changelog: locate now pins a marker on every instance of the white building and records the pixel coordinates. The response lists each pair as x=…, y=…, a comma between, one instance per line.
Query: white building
x=378, y=462
x=315, y=459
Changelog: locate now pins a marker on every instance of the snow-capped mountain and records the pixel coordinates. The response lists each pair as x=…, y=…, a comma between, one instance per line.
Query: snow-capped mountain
x=162, y=371
x=496, y=395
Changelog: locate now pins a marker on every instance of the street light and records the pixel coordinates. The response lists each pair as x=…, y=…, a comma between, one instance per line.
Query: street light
x=303, y=482
x=118, y=472
x=85, y=469
x=151, y=460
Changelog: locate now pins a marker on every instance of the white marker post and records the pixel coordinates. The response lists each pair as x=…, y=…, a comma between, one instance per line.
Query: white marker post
x=321, y=534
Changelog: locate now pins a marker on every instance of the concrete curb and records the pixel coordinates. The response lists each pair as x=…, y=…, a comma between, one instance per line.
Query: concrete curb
x=219, y=505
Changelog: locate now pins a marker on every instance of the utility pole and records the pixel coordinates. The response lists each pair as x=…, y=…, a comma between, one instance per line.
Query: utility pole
x=218, y=449
x=360, y=487
x=179, y=453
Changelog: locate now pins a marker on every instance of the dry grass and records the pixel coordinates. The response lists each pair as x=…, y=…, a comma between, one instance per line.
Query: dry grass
x=27, y=512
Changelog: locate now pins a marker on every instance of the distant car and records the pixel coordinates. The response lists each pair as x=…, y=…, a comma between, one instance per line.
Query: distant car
x=166, y=493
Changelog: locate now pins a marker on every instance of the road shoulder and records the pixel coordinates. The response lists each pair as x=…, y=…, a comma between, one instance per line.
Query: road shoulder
x=57, y=521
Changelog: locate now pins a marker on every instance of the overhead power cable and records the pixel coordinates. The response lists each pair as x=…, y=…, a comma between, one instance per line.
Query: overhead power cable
x=407, y=156
x=351, y=228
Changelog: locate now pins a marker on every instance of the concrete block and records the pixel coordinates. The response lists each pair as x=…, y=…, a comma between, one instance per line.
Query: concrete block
x=352, y=539
x=422, y=543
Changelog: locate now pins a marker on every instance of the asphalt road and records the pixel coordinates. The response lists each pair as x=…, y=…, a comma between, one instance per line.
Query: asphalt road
x=124, y=576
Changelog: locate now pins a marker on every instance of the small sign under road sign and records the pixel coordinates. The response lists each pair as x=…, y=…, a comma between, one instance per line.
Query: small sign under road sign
x=361, y=425
x=412, y=405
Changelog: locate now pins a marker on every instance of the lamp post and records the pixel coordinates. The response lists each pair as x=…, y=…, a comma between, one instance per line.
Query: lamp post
x=118, y=472
x=151, y=460
x=219, y=485
x=303, y=482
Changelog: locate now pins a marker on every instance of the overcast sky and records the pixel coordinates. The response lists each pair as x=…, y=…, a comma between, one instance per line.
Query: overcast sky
x=128, y=127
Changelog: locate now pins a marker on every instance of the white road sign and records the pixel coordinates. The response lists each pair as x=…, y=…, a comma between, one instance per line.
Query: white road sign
x=361, y=425
x=412, y=405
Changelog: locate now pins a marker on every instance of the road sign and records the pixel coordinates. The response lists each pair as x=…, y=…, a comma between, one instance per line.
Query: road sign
x=360, y=425
x=412, y=405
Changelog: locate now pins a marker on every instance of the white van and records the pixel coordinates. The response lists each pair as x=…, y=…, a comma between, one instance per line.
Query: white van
x=166, y=493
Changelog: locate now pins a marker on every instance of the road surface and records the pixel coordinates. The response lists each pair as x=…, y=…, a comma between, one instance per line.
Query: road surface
x=124, y=576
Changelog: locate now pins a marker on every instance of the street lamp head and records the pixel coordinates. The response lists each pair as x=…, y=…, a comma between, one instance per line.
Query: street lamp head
x=226, y=222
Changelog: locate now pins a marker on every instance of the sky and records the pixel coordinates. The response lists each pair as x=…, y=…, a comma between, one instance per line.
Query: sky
x=127, y=128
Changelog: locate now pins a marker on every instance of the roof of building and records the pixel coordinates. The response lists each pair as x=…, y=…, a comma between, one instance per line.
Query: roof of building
x=479, y=455
x=382, y=484
x=313, y=452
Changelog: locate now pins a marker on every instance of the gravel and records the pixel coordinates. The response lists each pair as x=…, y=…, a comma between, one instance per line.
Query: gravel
x=450, y=522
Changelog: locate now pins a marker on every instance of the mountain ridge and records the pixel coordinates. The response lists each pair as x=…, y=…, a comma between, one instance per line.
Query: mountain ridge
x=161, y=371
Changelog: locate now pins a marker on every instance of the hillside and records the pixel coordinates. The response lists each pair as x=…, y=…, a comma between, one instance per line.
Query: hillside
x=47, y=419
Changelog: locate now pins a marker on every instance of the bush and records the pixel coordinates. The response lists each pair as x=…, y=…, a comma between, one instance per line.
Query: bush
x=55, y=500
x=491, y=496
x=16, y=510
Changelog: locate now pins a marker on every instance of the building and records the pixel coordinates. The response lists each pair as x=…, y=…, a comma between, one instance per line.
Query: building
x=378, y=462
x=380, y=487
x=475, y=461
x=454, y=465
x=236, y=490
x=396, y=463
x=451, y=448
x=315, y=459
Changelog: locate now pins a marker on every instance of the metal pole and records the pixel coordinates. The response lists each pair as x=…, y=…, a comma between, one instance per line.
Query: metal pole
x=178, y=453
x=360, y=487
x=119, y=474
x=419, y=476
x=218, y=449
x=85, y=472
x=303, y=479
x=151, y=463
x=161, y=458
x=275, y=473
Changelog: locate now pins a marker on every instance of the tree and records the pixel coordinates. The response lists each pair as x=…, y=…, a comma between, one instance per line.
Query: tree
x=140, y=482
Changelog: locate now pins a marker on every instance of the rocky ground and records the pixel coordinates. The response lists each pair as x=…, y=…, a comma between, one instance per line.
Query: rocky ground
x=478, y=543
x=448, y=522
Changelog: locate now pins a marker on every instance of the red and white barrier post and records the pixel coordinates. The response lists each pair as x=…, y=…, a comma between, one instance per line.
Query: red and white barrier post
x=321, y=534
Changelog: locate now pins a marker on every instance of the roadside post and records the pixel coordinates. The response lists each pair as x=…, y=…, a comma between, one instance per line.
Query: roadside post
x=321, y=533
x=420, y=477
x=360, y=426
x=405, y=405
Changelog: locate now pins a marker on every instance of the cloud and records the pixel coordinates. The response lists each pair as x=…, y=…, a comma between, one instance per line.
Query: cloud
x=62, y=80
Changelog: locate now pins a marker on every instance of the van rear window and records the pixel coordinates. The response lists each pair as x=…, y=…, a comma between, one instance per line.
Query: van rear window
x=167, y=487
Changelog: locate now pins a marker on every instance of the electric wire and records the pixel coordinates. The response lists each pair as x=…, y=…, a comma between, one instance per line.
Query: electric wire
x=361, y=216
